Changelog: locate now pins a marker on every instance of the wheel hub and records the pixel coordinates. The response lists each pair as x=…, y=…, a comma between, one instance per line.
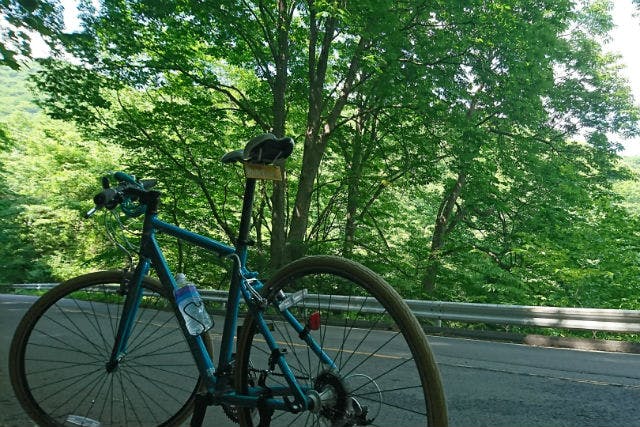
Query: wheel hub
x=333, y=403
x=113, y=364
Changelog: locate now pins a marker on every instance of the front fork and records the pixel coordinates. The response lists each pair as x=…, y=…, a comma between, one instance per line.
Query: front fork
x=132, y=288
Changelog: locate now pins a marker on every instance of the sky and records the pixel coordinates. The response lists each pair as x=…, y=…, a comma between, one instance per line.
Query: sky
x=624, y=41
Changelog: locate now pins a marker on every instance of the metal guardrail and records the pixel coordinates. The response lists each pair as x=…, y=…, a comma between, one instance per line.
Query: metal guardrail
x=592, y=319
x=35, y=286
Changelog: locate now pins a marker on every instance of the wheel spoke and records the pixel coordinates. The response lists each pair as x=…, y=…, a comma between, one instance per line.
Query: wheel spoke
x=374, y=361
x=61, y=369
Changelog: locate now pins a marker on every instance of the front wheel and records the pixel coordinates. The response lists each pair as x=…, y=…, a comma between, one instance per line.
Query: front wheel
x=59, y=354
x=382, y=373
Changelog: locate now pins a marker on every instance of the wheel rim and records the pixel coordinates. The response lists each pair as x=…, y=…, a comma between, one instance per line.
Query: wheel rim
x=64, y=375
x=379, y=375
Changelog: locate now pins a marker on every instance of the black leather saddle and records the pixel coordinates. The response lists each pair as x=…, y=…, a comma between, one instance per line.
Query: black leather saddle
x=263, y=149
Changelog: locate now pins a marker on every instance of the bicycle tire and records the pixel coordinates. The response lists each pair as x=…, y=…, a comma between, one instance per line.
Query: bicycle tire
x=399, y=385
x=60, y=348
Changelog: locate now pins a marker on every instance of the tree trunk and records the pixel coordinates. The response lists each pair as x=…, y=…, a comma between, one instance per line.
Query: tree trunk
x=445, y=221
x=278, y=198
x=313, y=151
x=354, y=167
x=447, y=217
x=315, y=139
x=319, y=129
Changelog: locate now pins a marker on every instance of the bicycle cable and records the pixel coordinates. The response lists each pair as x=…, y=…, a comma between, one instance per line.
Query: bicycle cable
x=247, y=280
x=115, y=231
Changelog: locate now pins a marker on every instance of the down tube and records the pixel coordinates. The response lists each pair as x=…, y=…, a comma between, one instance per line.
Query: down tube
x=196, y=343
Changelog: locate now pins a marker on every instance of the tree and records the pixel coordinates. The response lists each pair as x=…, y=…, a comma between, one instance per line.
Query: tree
x=519, y=106
x=311, y=55
x=21, y=19
x=472, y=108
x=48, y=178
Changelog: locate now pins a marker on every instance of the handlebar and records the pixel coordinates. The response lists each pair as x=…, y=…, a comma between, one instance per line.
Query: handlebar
x=129, y=194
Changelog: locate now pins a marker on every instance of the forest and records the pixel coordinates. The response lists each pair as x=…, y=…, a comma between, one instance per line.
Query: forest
x=462, y=150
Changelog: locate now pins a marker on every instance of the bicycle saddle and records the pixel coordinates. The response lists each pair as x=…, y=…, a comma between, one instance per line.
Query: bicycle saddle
x=263, y=149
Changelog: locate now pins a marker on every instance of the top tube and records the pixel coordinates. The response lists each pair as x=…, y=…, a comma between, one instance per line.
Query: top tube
x=196, y=239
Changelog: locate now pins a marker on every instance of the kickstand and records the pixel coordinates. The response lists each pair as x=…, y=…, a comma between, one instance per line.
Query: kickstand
x=199, y=409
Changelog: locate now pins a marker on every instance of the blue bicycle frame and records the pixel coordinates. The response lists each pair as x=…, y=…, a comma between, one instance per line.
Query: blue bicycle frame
x=243, y=283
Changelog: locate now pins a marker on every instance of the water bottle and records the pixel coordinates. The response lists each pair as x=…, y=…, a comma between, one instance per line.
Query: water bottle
x=191, y=306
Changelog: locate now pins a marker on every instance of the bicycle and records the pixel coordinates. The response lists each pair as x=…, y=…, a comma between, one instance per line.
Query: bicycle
x=324, y=342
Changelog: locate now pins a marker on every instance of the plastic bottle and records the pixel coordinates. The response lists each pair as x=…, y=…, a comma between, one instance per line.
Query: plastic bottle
x=191, y=306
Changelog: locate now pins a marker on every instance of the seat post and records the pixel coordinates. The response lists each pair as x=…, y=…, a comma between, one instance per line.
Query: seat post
x=245, y=219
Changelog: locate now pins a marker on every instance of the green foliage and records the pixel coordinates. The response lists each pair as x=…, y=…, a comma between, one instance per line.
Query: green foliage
x=439, y=142
x=20, y=20
x=48, y=174
x=629, y=188
x=15, y=95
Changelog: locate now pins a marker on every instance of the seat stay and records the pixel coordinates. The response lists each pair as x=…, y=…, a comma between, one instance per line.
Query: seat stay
x=294, y=389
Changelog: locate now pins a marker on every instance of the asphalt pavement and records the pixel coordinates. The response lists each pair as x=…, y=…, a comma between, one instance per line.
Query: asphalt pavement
x=486, y=383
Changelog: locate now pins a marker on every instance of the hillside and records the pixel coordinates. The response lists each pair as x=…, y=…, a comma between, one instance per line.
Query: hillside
x=586, y=257
x=630, y=189
x=15, y=95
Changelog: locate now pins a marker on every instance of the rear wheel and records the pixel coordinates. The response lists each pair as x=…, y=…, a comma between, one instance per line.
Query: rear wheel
x=384, y=372
x=59, y=354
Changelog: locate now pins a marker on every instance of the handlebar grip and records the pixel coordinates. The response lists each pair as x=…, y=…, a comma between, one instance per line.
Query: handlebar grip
x=132, y=195
x=109, y=198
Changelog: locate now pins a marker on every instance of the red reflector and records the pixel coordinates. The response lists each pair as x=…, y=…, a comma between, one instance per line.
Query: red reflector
x=314, y=321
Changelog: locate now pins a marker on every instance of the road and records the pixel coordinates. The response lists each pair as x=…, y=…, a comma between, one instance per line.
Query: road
x=487, y=384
